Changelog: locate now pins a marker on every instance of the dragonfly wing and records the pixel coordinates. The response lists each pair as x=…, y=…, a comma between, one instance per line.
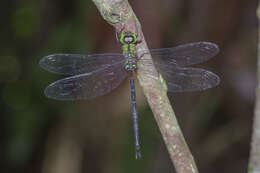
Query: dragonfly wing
x=185, y=55
x=87, y=86
x=189, y=79
x=73, y=64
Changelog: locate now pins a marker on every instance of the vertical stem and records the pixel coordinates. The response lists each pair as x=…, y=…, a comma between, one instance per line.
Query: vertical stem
x=254, y=160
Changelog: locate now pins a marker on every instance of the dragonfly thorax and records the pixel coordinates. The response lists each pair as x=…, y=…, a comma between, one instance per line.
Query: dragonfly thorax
x=129, y=51
x=128, y=39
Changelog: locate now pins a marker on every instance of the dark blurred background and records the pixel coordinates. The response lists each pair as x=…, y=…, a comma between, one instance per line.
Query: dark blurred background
x=42, y=135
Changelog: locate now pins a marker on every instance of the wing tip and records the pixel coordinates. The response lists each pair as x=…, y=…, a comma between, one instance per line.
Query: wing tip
x=51, y=64
x=51, y=93
x=209, y=80
x=213, y=46
x=214, y=80
x=44, y=61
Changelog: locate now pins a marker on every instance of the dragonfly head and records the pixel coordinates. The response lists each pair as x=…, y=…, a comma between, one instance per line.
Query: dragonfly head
x=128, y=38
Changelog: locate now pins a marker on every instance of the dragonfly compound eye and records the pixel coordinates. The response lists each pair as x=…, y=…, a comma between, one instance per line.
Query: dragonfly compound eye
x=128, y=39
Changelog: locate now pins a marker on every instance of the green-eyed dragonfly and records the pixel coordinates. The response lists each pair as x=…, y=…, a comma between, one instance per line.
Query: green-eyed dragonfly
x=95, y=75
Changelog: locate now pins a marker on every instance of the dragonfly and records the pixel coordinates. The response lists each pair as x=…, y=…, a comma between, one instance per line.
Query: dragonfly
x=95, y=75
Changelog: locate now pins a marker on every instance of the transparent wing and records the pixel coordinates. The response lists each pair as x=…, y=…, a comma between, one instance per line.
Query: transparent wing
x=87, y=86
x=185, y=55
x=73, y=64
x=188, y=79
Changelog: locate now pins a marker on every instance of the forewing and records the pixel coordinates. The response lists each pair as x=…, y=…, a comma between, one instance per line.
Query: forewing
x=74, y=64
x=87, y=86
x=189, y=79
x=185, y=55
